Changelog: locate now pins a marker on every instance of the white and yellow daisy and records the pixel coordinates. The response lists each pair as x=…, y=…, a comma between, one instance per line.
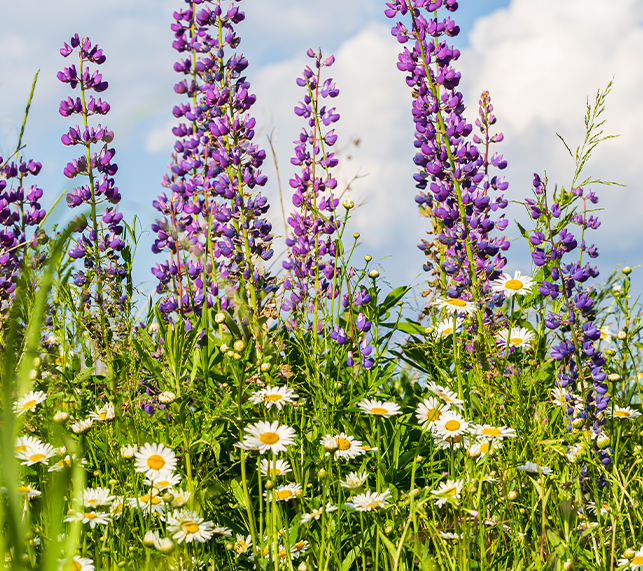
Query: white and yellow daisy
x=150, y=502
x=534, y=468
x=605, y=507
x=79, y=563
x=92, y=518
x=116, y=509
x=242, y=544
x=155, y=460
x=221, y=532
x=166, y=397
x=265, y=436
x=149, y=537
x=298, y=548
x=451, y=442
x=163, y=544
x=180, y=498
x=575, y=452
x=81, y=426
x=450, y=424
x=445, y=327
x=354, y=480
x=606, y=334
x=187, y=526
x=484, y=447
x=444, y=394
x=96, y=497
x=378, y=407
x=103, y=413
x=343, y=446
x=284, y=493
x=451, y=489
x=369, y=501
x=429, y=411
x=497, y=432
x=635, y=562
x=38, y=454
x=128, y=451
x=625, y=412
x=61, y=416
x=518, y=285
x=163, y=482
x=29, y=402
x=316, y=514
x=270, y=468
x=455, y=305
x=518, y=337
x=24, y=443
x=28, y=491
x=65, y=462
x=274, y=396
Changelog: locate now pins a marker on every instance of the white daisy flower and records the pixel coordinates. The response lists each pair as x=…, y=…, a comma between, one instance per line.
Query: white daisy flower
x=429, y=411
x=155, y=460
x=163, y=544
x=264, y=436
x=284, y=493
x=635, y=563
x=518, y=337
x=180, y=498
x=354, y=480
x=128, y=451
x=455, y=305
x=344, y=446
x=378, y=407
x=368, y=501
x=187, y=526
x=28, y=491
x=38, y=454
x=488, y=431
x=92, y=518
x=451, y=442
x=606, y=334
x=575, y=452
x=450, y=424
x=24, y=443
x=103, y=413
x=81, y=426
x=298, y=548
x=484, y=447
x=316, y=514
x=148, y=502
x=518, y=285
x=95, y=497
x=242, y=544
x=605, y=507
x=270, y=468
x=79, y=563
x=274, y=396
x=29, y=402
x=445, y=327
x=149, y=537
x=61, y=416
x=116, y=509
x=449, y=535
x=65, y=463
x=166, y=397
x=534, y=468
x=164, y=481
x=446, y=395
x=625, y=412
x=446, y=490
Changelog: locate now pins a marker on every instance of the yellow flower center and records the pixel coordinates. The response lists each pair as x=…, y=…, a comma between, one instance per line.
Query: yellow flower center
x=21, y=448
x=90, y=515
x=161, y=485
x=273, y=397
x=456, y=302
x=155, y=462
x=491, y=431
x=447, y=331
x=117, y=508
x=23, y=489
x=515, y=341
x=637, y=560
x=190, y=527
x=283, y=494
x=29, y=404
x=299, y=545
x=433, y=414
x=366, y=447
x=514, y=285
x=269, y=438
x=240, y=546
x=451, y=491
x=485, y=447
x=282, y=554
x=621, y=413
x=343, y=443
x=75, y=566
x=378, y=410
x=36, y=458
x=452, y=425
x=102, y=415
x=91, y=502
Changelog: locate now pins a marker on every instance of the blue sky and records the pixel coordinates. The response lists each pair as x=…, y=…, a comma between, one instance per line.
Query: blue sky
x=539, y=64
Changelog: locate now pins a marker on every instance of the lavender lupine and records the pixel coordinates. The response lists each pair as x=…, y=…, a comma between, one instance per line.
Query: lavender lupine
x=100, y=239
x=453, y=176
x=213, y=228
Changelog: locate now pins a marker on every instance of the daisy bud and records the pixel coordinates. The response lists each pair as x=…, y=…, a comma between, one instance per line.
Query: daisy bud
x=148, y=539
x=578, y=422
x=265, y=367
x=224, y=348
x=338, y=385
x=627, y=270
x=230, y=354
x=368, y=258
x=569, y=564
x=419, y=459
x=388, y=529
x=302, y=567
x=33, y=374
x=269, y=485
x=167, y=397
x=37, y=362
x=629, y=553
x=348, y=204
x=610, y=352
x=153, y=328
x=229, y=546
x=167, y=497
x=61, y=416
x=429, y=330
x=236, y=356
x=603, y=441
x=512, y=495
x=622, y=335
x=356, y=235
x=373, y=274
x=239, y=345
x=113, y=482
x=637, y=449
x=322, y=474
x=219, y=318
x=613, y=377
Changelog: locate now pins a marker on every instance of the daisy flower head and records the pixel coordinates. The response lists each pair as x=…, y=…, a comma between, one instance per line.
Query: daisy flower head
x=79, y=563
x=266, y=436
x=28, y=491
x=606, y=334
x=96, y=497
x=518, y=337
x=128, y=451
x=187, y=526
x=449, y=489
x=484, y=447
x=451, y=442
x=605, y=507
x=344, y=446
x=166, y=397
x=369, y=501
x=163, y=482
x=155, y=461
x=575, y=452
x=534, y=468
x=429, y=411
x=635, y=562
x=354, y=480
x=149, y=537
x=284, y=493
x=180, y=498
x=92, y=518
x=82, y=426
x=103, y=413
x=499, y=432
x=378, y=407
x=29, y=402
x=444, y=394
x=456, y=305
x=450, y=424
x=445, y=327
x=316, y=514
x=625, y=412
x=242, y=544
x=270, y=468
x=24, y=443
x=516, y=285
x=274, y=396
x=116, y=509
x=38, y=454
x=163, y=544
x=148, y=502
x=299, y=548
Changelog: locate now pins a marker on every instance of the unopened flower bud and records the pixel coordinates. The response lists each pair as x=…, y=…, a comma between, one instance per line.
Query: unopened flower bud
x=236, y=356
x=61, y=416
x=368, y=258
x=373, y=274
x=167, y=397
x=356, y=235
x=348, y=204
x=239, y=345
x=568, y=565
x=224, y=348
x=578, y=422
x=388, y=529
x=265, y=367
x=610, y=352
x=153, y=328
x=112, y=482
x=629, y=553
x=148, y=538
x=627, y=270
x=512, y=495
x=322, y=474
x=613, y=377
x=302, y=567
x=603, y=441
x=229, y=546
x=219, y=318
x=269, y=484
x=637, y=449
x=622, y=335
x=230, y=354
x=167, y=497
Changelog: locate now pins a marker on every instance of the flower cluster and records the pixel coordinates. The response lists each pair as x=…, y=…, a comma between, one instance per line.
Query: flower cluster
x=212, y=227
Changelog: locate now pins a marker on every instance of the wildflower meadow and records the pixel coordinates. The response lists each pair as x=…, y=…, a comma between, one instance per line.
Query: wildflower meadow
x=292, y=412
